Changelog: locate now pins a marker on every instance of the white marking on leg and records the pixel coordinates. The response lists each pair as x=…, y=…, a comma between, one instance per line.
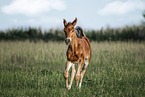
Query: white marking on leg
x=69, y=65
x=86, y=61
x=69, y=87
x=80, y=85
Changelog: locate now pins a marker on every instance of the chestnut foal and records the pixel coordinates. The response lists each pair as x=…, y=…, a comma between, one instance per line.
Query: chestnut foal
x=79, y=51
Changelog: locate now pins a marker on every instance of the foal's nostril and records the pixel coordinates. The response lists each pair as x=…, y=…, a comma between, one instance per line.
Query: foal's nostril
x=67, y=41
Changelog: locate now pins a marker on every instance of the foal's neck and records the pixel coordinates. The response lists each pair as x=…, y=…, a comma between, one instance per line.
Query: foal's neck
x=74, y=42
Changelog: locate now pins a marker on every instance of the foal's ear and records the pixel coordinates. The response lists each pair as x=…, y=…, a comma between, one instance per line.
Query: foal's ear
x=74, y=22
x=64, y=21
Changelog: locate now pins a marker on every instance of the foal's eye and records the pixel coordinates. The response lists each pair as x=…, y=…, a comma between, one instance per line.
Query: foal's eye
x=72, y=30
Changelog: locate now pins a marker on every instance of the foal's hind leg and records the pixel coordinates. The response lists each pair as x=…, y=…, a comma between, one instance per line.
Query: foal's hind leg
x=79, y=70
x=86, y=62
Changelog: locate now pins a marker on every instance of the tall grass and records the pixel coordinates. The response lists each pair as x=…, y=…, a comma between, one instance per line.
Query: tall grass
x=36, y=69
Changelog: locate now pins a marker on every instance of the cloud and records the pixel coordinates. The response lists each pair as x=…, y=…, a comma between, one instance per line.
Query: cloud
x=122, y=7
x=33, y=7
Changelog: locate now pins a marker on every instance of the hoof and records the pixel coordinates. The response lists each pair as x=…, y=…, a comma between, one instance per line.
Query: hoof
x=79, y=86
x=69, y=87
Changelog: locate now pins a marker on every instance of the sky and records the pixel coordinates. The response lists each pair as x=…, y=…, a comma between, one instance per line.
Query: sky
x=91, y=14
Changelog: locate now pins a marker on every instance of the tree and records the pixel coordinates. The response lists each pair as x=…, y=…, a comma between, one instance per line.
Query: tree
x=144, y=14
x=143, y=22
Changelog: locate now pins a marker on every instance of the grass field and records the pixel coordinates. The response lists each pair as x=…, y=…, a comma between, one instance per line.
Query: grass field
x=36, y=69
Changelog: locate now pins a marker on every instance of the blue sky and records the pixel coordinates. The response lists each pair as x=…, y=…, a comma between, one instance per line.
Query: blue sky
x=91, y=14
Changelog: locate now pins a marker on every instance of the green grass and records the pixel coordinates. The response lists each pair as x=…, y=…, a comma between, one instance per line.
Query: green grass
x=36, y=69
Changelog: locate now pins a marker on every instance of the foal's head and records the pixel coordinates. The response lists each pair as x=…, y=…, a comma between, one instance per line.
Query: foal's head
x=69, y=30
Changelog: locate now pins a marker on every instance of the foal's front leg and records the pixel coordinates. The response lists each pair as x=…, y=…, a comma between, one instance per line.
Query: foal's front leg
x=68, y=66
x=72, y=75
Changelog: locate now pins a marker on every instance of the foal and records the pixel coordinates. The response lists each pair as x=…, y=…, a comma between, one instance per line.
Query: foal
x=79, y=51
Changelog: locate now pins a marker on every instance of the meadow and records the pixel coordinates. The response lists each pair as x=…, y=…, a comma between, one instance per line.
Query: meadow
x=36, y=69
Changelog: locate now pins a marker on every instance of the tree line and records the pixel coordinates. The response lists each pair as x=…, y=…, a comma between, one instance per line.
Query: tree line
x=127, y=33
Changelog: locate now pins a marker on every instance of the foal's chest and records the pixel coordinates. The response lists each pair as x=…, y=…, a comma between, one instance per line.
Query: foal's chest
x=72, y=56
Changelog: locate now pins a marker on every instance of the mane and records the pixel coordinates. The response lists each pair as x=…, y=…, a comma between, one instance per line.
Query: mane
x=79, y=32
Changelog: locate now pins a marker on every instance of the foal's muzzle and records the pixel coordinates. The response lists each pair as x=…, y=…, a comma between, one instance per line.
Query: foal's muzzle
x=67, y=41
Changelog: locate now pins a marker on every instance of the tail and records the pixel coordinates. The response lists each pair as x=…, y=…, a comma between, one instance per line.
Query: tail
x=80, y=32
